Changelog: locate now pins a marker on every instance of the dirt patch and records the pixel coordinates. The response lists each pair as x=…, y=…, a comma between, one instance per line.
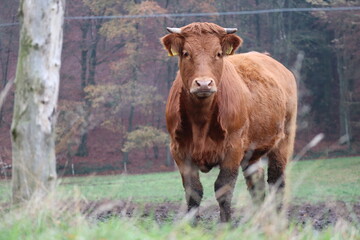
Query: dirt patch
x=324, y=214
x=319, y=215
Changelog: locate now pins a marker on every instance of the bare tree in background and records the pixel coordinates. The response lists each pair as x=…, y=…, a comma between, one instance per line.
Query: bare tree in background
x=37, y=87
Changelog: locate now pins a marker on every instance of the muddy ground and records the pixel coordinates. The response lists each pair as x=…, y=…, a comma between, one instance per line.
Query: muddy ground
x=319, y=215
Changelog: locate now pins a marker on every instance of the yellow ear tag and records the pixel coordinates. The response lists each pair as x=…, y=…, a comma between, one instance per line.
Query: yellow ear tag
x=229, y=50
x=174, y=53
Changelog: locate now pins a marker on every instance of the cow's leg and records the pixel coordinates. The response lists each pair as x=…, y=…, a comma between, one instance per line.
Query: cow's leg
x=225, y=183
x=278, y=159
x=191, y=182
x=276, y=175
x=224, y=188
x=254, y=177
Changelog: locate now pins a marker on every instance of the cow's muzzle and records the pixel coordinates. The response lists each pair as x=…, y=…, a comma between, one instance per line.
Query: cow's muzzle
x=203, y=87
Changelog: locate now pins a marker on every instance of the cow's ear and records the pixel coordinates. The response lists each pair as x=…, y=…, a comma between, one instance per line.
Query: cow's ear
x=173, y=43
x=230, y=43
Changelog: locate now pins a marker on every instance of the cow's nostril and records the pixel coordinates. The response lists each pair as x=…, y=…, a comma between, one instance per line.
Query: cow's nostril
x=204, y=83
x=203, y=86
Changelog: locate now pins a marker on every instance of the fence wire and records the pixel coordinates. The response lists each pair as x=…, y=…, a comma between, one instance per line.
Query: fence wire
x=175, y=15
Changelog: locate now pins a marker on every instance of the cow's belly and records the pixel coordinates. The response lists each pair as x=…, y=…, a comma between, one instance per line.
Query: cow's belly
x=203, y=150
x=206, y=160
x=206, y=152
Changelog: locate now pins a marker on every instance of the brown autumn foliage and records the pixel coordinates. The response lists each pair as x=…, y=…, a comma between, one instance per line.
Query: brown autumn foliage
x=115, y=75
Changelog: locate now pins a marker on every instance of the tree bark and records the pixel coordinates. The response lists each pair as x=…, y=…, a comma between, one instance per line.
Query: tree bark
x=36, y=94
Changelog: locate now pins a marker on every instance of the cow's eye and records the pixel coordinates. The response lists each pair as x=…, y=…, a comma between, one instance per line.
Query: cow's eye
x=219, y=55
x=186, y=54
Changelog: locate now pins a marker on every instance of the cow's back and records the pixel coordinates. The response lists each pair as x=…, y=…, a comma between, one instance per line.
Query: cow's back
x=260, y=70
x=273, y=97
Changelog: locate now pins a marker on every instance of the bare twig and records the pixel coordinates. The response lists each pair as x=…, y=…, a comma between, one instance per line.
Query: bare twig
x=310, y=145
x=5, y=91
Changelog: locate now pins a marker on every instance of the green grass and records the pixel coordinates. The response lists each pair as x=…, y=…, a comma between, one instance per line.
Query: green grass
x=328, y=179
x=308, y=181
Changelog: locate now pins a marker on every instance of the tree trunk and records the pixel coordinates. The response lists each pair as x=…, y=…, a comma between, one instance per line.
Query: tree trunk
x=93, y=53
x=125, y=157
x=169, y=160
x=88, y=70
x=278, y=30
x=84, y=53
x=345, y=126
x=258, y=26
x=82, y=150
x=37, y=87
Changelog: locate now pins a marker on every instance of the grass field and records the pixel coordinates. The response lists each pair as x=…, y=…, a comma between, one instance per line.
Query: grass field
x=308, y=182
x=313, y=181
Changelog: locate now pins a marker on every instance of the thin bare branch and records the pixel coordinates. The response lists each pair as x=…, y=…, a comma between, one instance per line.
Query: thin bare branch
x=5, y=91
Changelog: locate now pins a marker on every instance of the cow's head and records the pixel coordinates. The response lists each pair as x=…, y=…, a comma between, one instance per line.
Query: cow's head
x=201, y=48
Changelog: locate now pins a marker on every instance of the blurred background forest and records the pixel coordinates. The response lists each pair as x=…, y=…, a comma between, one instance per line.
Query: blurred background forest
x=115, y=76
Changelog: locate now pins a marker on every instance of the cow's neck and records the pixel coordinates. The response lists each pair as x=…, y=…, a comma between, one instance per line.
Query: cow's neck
x=200, y=110
x=201, y=114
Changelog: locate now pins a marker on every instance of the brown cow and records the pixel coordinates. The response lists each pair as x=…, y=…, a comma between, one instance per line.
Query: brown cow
x=228, y=110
